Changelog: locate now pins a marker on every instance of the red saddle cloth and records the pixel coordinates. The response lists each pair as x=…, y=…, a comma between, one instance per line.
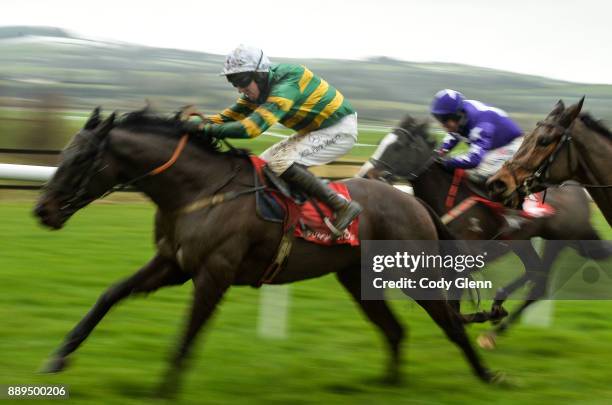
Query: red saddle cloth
x=534, y=205
x=305, y=218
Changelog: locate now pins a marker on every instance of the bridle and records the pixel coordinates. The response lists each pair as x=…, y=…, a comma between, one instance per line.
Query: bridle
x=541, y=174
x=389, y=173
x=79, y=198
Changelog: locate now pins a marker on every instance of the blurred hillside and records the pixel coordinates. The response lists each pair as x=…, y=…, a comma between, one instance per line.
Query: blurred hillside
x=42, y=63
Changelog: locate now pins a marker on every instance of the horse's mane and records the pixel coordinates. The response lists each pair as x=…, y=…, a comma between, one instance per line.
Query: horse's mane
x=170, y=126
x=407, y=122
x=596, y=125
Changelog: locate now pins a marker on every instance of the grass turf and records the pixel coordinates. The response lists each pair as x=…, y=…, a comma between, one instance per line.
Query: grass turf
x=48, y=280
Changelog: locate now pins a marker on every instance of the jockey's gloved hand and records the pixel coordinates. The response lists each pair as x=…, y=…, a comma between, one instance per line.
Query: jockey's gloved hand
x=441, y=152
x=199, y=129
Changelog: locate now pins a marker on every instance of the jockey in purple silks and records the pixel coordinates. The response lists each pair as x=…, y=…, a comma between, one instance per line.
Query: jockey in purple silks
x=493, y=137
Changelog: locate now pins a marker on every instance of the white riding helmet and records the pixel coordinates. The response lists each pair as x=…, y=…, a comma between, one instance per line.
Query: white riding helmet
x=245, y=59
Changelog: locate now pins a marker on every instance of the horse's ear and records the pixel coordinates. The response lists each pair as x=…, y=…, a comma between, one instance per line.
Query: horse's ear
x=558, y=109
x=408, y=122
x=106, y=126
x=571, y=113
x=94, y=119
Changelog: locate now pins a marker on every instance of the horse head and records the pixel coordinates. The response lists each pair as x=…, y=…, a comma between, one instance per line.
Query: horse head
x=538, y=161
x=405, y=153
x=82, y=175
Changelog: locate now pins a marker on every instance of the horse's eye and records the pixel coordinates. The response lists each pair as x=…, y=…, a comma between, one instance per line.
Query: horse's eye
x=545, y=140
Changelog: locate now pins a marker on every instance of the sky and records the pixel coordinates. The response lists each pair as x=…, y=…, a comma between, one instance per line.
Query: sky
x=562, y=39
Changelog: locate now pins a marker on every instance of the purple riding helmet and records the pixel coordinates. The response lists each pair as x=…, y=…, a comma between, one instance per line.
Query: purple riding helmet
x=447, y=102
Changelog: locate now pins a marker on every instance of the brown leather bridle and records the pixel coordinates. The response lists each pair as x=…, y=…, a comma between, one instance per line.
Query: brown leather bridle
x=540, y=174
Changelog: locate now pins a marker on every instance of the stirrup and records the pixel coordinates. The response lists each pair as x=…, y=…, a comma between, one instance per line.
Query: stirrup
x=337, y=233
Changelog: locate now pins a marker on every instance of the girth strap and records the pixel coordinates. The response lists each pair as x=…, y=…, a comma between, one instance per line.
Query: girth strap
x=282, y=254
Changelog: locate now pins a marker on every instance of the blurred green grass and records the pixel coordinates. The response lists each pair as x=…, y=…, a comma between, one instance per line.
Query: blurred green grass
x=48, y=280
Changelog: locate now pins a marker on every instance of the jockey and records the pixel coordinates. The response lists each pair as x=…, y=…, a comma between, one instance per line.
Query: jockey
x=324, y=121
x=493, y=137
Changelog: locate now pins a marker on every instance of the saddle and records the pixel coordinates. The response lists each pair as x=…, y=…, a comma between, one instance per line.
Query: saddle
x=534, y=205
x=278, y=202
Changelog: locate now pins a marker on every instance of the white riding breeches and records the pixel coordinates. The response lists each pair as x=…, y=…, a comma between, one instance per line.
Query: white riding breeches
x=314, y=148
x=494, y=159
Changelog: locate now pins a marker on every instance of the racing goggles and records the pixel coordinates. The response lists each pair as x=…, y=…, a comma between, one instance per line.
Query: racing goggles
x=240, y=80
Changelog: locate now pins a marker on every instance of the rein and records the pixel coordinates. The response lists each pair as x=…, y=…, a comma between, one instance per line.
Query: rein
x=159, y=169
x=215, y=199
x=177, y=152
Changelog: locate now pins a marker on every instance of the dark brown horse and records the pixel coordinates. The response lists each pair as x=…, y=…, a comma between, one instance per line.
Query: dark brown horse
x=225, y=244
x=565, y=146
x=408, y=153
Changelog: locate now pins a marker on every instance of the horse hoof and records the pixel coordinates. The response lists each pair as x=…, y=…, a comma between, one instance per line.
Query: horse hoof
x=54, y=365
x=486, y=341
x=498, y=313
x=501, y=379
x=496, y=378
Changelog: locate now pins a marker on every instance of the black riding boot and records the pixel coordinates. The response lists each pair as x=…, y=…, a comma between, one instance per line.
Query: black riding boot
x=311, y=185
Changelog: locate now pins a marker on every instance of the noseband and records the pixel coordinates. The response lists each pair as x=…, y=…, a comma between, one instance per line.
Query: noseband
x=541, y=173
x=79, y=198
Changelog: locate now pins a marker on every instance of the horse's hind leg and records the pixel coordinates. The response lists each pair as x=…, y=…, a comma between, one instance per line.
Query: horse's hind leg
x=487, y=340
x=538, y=290
x=533, y=265
x=379, y=313
x=452, y=325
x=157, y=273
x=539, y=278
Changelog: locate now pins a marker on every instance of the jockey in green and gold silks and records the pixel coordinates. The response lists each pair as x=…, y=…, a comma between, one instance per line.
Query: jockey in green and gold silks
x=324, y=121
x=298, y=99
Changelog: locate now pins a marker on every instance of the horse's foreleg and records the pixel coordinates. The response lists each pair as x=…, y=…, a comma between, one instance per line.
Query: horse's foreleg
x=503, y=293
x=539, y=278
x=209, y=288
x=487, y=340
x=452, y=325
x=379, y=313
x=535, y=294
x=155, y=274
